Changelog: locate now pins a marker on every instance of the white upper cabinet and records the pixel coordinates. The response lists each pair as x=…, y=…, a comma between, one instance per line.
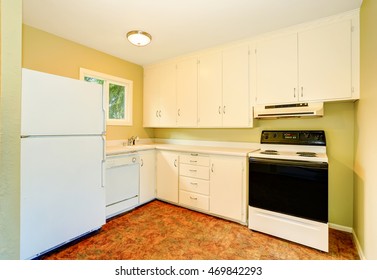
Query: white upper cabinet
x=187, y=92
x=151, y=97
x=236, y=94
x=160, y=95
x=319, y=63
x=276, y=80
x=223, y=88
x=325, y=62
x=210, y=90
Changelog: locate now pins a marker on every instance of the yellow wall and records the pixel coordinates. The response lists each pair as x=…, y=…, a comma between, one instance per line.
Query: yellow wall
x=10, y=126
x=365, y=189
x=45, y=52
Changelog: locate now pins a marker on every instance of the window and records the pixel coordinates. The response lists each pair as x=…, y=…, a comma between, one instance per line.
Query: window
x=117, y=93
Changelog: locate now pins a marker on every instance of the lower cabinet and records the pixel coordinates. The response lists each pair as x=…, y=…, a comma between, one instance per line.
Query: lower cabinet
x=147, y=184
x=194, y=183
x=212, y=184
x=228, y=187
x=167, y=176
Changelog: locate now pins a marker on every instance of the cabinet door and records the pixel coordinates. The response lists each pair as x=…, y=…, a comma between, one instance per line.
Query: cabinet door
x=147, y=190
x=236, y=105
x=227, y=187
x=151, y=97
x=210, y=90
x=187, y=93
x=325, y=62
x=167, y=98
x=167, y=176
x=277, y=70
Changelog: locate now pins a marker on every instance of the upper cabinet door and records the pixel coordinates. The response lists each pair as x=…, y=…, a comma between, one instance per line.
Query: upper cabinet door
x=236, y=98
x=325, y=62
x=277, y=70
x=210, y=90
x=168, y=101
x=187, y=92
x=151, y=96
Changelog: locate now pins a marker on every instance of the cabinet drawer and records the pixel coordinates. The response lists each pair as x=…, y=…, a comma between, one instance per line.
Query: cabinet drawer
x=194, y=185
x=194, y=200
x=194, y=171
x=194, y=159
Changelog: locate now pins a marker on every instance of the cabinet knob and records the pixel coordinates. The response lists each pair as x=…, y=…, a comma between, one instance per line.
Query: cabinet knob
x=219, y=110
x=141, y=162
x=294, y=92
x=302, y=91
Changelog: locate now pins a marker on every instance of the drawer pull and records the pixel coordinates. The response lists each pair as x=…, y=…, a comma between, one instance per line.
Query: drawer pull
x=193, y=170
x=193, y=183
x=194, y=155
x=193, y=161
x=193, y=198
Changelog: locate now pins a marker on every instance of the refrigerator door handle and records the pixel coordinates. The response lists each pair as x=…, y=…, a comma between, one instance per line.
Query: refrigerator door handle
x=103, y=162
x=103, y=173
x=104, y=121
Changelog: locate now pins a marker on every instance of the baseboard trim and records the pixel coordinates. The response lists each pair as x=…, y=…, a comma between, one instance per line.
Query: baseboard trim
x=358, y=246
x=354, y=237
x=341, y=228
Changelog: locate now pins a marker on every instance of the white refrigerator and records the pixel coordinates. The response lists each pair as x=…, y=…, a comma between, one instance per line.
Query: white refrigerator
x=62, y=161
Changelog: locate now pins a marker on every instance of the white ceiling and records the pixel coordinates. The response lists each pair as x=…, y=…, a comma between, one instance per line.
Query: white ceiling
x=177, y=26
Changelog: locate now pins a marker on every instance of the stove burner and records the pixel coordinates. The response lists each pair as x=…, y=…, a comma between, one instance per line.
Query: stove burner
x=269, y=152
x=306, y=154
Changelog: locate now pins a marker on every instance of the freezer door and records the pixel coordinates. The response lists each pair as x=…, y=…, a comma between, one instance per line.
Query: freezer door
x=62, y=193
x=55, y=105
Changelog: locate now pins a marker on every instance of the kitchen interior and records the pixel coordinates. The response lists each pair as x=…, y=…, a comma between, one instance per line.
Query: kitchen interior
x=270, y=128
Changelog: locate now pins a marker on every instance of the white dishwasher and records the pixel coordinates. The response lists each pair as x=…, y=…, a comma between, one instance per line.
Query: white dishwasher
x=122, y=183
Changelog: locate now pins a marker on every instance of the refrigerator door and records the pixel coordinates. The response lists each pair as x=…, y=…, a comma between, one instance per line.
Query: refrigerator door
x=55, y=105
x=62, y=193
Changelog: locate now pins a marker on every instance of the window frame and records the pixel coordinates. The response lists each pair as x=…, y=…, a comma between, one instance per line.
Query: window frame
x=128, y=95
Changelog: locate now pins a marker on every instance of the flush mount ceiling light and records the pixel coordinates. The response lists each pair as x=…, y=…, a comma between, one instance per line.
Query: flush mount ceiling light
x=139, y=38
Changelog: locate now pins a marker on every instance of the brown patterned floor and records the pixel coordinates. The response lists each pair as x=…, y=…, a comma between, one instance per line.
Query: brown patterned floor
x=160, y=231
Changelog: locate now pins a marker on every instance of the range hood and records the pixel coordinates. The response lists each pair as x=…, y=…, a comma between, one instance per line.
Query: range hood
x=297, y=110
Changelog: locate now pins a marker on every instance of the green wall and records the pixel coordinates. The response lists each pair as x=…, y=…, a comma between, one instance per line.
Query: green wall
x=365, y=187
x=10, y=126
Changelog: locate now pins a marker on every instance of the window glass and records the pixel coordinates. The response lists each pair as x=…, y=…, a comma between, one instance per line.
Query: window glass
x=116, y=101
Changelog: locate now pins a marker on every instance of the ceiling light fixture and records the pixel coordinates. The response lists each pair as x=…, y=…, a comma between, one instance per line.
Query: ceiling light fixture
x=139, y=38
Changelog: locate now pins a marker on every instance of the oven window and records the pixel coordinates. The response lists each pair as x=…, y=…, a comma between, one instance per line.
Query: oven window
x=290, y=187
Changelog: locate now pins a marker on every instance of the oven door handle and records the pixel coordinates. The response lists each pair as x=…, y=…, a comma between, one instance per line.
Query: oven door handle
x=296, y=163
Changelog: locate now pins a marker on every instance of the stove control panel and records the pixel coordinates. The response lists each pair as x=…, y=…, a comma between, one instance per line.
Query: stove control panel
x=294, y=137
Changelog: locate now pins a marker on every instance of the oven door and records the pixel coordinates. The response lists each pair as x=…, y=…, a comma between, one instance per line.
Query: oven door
x=296, y=188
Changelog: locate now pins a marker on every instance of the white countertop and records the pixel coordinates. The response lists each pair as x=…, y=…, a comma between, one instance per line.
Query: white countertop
x=230, y=150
